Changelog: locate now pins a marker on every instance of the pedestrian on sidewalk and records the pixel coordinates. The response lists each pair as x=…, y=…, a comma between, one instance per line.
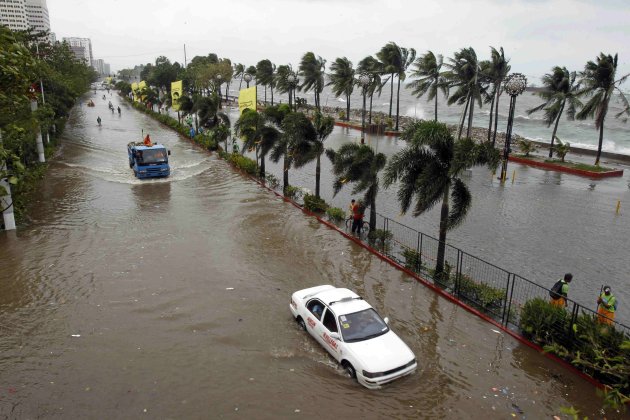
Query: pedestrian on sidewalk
x=606, y=306
x=560, y=291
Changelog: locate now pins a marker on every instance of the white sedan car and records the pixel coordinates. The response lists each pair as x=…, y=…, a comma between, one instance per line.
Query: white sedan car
x=353, y=333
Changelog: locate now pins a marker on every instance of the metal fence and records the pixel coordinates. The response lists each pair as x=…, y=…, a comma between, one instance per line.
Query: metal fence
x=497, y=292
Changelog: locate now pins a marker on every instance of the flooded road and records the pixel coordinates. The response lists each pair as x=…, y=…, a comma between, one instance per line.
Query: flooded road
x=169, y=299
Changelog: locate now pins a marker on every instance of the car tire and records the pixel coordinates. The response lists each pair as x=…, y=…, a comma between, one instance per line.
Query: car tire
x=301, y=323
x=347, y=366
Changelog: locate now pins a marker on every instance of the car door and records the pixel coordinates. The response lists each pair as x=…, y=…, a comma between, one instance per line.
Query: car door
x=324, y=330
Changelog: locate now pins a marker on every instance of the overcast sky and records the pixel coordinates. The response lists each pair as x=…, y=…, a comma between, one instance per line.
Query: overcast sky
x=535, y=34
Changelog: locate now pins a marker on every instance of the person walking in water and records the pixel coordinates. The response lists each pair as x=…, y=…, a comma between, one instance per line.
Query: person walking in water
x=98, y=120
x=118, y=110
x=606, y=306
x=560, y=290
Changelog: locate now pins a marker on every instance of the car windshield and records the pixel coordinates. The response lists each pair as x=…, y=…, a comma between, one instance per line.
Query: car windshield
x=154, y=156
x=361, y=326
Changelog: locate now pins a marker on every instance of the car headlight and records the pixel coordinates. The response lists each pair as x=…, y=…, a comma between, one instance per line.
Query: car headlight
x=164, y=169
x=372, y=375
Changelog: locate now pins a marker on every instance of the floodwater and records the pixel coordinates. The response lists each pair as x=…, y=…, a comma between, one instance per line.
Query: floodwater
x=170, y=299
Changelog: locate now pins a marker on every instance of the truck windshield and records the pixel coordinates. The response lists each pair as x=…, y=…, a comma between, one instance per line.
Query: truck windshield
x=150, y=156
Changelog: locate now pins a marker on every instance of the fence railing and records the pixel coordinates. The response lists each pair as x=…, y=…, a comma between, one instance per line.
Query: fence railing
x=493, y=290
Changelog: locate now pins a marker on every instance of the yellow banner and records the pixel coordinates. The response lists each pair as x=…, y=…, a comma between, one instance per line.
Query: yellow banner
x=141, y=86
x=176, y=93
x=247, y=99
x=134, y=89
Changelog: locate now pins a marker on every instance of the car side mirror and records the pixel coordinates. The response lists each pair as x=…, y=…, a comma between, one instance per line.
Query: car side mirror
x=386, y=320
x=169, y=152
x=335, y=336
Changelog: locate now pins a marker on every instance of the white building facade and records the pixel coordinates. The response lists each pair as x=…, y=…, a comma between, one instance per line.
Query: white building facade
x=82, y=48
x=13, y=15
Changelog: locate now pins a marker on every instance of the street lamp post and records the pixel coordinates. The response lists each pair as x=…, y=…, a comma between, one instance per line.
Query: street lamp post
x=292, y=81
x=514, y=85
x=364, y=81
x=247, y=78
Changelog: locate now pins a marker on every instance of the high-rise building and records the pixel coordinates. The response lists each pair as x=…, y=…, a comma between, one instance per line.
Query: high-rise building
x=98, y=65
x=82, y=49
x=106, y=69
x=37, y=15
x=13, y=15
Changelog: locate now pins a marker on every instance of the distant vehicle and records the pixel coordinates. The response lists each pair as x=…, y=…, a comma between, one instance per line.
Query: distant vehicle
x=354, y=334
x=148, y=161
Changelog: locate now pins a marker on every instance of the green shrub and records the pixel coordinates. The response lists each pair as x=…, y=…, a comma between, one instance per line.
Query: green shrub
x=487, y=297
x=413, y=259
x=272, y=181
x=380, y=238
x=335, y=214
x=544, y=323
x=294, y=193
x=314, y=203
x=243, y=163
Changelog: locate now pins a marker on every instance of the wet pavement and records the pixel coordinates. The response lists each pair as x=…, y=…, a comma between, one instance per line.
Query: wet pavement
x=169, y=299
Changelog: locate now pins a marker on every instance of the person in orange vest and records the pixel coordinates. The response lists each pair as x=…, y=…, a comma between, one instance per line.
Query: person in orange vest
x=147, y=141
x=559, y=296
x=357, y=218
x=606, y=306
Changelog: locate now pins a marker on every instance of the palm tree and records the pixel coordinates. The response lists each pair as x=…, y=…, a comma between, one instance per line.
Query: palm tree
x=389, y=56
x=312, y=71
x=373, y=67
x=264, y=75
x=559, y=87
x=294, y=144
x=598, y=79
x=495, y=71
x=463, y=74
x=239, y=71
x=429, y=78
x=429, y=169
x=254, y=130
x=359, y=164
x=407, y=57
x=323, y=127
x=342, y=80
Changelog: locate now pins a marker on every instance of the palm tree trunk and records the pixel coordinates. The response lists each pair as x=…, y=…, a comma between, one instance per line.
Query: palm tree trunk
x=461, y=123
x=599, y=145
x=397, y=103
x=240, y=83
x=391, y=96
x=496, y=116
x=285, y=173
x=271, y=87
x=436, y=99
x=470, y=116
x=265, y=95
x=439, y=267
x=373, y=212
x=227, y=91
x=491, y=115
x=555, y=129
x=347, y=108
x=370, y=118
x=261, y=174
x=318, y=171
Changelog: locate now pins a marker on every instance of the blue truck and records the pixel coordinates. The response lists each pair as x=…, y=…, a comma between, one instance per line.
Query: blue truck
x=148, y=161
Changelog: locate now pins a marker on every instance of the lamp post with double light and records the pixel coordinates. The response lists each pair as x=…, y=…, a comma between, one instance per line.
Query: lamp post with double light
x=292, y=81
x=514, y=85
x=364, y=82
x=218, y=79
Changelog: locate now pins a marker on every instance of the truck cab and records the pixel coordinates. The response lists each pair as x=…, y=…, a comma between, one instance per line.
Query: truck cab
x=148, y=161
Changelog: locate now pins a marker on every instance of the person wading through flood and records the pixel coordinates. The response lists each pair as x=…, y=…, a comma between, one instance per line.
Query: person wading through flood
x=560, y=290
x=357, y=217
x=606, y=306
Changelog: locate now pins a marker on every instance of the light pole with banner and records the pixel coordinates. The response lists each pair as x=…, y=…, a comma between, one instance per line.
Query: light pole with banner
x=514, y=85
x=247, y=78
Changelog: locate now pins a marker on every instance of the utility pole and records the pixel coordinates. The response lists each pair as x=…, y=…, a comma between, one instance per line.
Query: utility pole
x=6, y=202
x=40, y=144
x=41, y=89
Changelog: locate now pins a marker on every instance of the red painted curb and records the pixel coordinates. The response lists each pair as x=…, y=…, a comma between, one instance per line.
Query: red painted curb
x=560, y=168
x=436, y=289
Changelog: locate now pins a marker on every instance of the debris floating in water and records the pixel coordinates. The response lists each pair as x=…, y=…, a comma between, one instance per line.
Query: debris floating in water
x=229, y=288
x=76, y=335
